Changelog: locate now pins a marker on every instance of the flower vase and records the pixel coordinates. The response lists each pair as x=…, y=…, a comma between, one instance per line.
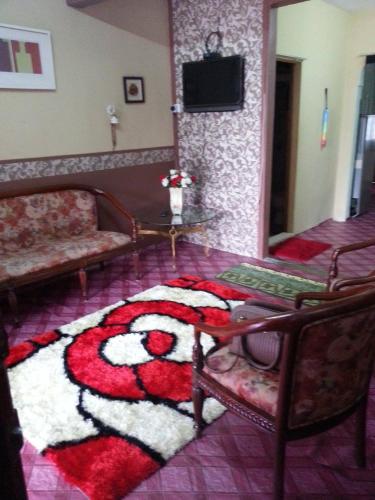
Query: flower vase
x=176, y=200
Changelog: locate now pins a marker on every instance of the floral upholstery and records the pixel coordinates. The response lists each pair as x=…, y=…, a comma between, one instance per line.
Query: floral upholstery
x=332, y=362
x=260, y=388
x=52, y=252
x=45, y=230
x=27, y=220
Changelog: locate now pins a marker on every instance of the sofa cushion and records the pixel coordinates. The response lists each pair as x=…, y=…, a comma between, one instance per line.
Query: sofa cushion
x=26, y=221
x=56, y=251
x=258, y=387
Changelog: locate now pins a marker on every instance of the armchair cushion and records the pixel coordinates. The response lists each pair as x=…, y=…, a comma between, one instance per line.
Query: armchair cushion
x=258, y=387
x=334, y=357
x=55, y=251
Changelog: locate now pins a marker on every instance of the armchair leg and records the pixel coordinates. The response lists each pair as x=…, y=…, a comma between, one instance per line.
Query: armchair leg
x=13, y=304
x=83, y=282
x=360, y=435
x=198, y=407
x=279, y=467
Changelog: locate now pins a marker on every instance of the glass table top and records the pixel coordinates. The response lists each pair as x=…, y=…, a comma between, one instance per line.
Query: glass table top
x=189, y=217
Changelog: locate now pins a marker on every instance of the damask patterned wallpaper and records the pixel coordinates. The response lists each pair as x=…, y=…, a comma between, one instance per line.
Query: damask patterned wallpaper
x=17, y=170
x=223, y=149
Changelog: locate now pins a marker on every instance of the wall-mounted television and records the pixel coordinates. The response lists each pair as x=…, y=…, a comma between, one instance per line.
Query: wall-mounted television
x=213, y=84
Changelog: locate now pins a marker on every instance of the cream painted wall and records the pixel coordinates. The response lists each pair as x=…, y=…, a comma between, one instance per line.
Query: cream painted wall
x=318, y=33
x=91, y=57
x=362, y=43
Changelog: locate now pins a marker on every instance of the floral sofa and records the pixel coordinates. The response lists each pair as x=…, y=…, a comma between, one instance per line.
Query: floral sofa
x=55, y=231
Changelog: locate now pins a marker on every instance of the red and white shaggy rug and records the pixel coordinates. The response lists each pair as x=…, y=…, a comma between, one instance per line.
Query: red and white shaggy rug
x=107, y=398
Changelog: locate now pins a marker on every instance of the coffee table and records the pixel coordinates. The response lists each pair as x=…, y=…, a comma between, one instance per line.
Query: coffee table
x=192, y=220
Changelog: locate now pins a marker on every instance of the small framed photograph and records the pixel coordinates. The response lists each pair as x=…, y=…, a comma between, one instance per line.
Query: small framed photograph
x=26, y=60
x=134, y=89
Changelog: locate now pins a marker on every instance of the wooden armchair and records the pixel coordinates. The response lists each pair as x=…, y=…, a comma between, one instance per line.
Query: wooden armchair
x=326, y=364
x=12, y=482
x=333, y=272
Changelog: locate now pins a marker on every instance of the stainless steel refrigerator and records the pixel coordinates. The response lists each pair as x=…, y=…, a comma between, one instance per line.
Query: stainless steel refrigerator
x=364, y=165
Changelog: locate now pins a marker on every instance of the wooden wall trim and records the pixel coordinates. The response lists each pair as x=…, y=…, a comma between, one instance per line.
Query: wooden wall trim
x=84, y=155
x=78, y=164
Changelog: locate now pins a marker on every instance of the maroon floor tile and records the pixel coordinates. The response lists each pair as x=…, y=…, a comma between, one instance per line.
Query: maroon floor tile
x=210, y=445
x=309, y=481
x=43, y=477
x=260, y=479
x=197, y=479
x=77, y=495
x=249, y=446
x=175, y=479
x=219, y=479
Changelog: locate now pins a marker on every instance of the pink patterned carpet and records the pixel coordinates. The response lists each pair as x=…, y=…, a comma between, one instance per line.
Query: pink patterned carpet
x=233, y=460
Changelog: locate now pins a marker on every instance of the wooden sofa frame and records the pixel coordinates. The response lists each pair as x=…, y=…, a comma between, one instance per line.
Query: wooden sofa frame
x=77, y=265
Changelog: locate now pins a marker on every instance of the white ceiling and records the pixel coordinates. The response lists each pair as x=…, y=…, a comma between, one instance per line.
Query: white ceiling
x=353, y=5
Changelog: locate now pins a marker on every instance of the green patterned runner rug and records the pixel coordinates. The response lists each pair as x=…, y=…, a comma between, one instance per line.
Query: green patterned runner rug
x=269, y=281
x=306, y=268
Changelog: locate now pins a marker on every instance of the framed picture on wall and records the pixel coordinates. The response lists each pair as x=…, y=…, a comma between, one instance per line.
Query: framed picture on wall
x=134, y=89
x=26, y=60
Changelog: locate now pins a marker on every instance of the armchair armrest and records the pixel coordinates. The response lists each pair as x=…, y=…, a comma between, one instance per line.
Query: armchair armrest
x=333, y=269
x=261, y=324
x=326, y=296
x=278, y=322
x=338, y=283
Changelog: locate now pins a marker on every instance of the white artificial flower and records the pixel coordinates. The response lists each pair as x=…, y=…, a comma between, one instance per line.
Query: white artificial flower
x=165, y=182
x=184, y=183
x=183, y=174
x=188, y=181
x=173, y=172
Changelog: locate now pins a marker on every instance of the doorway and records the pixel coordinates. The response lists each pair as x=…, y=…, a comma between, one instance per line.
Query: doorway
x=284, y=150
x=364, y=160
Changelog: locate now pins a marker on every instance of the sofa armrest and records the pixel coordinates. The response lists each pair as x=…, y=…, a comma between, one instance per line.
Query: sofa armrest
x=115, y=202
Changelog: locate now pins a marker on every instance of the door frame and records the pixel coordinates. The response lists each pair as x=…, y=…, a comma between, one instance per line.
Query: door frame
x=268, y=98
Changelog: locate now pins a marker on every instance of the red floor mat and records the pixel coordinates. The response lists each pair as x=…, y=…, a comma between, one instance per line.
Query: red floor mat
x=298, y=249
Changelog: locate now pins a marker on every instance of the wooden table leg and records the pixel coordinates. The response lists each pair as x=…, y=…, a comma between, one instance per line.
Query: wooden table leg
x=205, y=236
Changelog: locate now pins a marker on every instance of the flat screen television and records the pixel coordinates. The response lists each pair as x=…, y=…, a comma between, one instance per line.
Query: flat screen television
x=213, y=84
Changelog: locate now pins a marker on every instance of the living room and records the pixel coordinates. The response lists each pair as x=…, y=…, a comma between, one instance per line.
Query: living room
x=105, y=122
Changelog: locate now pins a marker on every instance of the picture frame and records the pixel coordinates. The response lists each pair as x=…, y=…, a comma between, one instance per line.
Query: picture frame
x=134, y=89
x=26, y=60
